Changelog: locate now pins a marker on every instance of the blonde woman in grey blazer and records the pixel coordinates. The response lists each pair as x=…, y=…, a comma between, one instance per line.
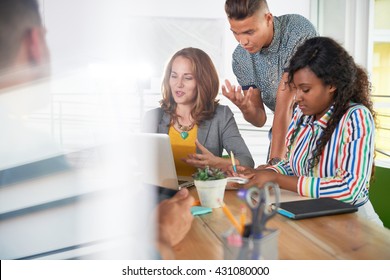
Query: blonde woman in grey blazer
x=192, y=116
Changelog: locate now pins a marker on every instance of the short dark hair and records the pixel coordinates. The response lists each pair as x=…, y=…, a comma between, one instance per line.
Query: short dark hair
x=242, y=9
x=16, y=18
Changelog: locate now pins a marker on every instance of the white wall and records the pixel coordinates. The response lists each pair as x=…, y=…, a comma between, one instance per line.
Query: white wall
x=347, y=21
x=80, y=31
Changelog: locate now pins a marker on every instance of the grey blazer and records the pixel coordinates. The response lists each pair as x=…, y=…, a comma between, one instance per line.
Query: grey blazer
x=219, y=133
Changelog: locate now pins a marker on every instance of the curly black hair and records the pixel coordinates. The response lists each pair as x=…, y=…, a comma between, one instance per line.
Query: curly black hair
x=332, y=64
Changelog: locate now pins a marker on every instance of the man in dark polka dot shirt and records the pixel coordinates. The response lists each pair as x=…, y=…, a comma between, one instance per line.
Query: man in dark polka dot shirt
x=266, y=44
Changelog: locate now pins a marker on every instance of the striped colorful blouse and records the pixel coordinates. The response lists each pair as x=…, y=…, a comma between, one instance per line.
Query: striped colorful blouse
x=344, y=168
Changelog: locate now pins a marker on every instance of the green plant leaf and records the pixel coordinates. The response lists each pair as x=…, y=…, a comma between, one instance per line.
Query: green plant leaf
x=208, y=174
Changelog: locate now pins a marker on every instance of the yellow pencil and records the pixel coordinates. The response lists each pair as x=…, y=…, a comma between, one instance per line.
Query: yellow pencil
x=242, y=219
x=230, y=216
x=233, y=161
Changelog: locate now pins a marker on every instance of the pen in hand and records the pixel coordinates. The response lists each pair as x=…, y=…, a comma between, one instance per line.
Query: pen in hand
x=233, y=161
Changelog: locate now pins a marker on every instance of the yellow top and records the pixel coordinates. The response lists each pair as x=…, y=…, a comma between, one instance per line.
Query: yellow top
x=181, y=148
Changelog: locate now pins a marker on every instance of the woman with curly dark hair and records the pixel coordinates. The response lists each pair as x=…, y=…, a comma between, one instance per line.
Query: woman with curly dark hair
x=330, y=140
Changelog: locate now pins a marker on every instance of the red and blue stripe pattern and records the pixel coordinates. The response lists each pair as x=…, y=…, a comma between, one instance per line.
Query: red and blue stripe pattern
x=345, y=165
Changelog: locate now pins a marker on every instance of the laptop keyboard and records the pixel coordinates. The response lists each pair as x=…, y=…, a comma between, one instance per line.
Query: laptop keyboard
x=185, y=184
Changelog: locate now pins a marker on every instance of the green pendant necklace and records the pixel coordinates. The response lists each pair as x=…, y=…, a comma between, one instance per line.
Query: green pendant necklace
x=184, y=129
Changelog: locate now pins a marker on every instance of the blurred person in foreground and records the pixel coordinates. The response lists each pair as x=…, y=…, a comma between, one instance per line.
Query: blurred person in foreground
x=330, y=140
x=24, y=59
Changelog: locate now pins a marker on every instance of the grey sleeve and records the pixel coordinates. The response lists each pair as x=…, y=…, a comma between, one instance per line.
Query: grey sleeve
x=243, y=68
x=232, y=139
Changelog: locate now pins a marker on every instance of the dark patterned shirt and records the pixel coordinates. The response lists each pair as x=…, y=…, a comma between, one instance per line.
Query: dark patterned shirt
x=264, y=69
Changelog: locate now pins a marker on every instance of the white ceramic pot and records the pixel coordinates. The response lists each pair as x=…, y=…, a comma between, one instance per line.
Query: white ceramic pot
x=210, y=191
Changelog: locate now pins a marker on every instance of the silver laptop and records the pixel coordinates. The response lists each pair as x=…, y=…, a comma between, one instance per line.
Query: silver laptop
x=157, y=162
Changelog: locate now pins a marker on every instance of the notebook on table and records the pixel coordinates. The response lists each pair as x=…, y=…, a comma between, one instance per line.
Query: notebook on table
x=310, y=208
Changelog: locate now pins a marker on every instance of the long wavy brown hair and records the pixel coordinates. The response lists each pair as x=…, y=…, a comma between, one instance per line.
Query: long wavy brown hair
x=332, y=64
x=207, y=86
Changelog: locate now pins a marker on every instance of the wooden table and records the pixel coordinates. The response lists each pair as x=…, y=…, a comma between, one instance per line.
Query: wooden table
x=345, y=236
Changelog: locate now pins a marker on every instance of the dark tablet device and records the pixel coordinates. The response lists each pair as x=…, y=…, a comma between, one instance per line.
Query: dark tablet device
x=164, y=193
x=310, y=208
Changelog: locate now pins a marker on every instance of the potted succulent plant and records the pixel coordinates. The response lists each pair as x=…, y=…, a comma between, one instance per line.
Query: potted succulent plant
x=208, y=174
x=210, y=184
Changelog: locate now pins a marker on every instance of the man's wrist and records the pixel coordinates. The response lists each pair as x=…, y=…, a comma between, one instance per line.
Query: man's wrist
x=253, y=118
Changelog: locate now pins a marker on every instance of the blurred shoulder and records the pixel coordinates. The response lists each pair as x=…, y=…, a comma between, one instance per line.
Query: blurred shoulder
x=151, y=120
x=154, y=112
